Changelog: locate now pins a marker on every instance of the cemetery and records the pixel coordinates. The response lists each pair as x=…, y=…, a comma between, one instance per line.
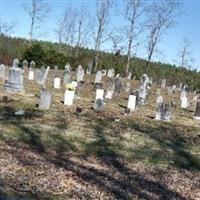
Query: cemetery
x=88, y=135
x=99, y=100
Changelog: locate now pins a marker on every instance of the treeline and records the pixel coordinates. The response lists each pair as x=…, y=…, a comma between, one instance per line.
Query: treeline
x=47, y=53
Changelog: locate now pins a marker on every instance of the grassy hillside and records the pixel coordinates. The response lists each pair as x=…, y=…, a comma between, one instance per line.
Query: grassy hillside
x=59, y=154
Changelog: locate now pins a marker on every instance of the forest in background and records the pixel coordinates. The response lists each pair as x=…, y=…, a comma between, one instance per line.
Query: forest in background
x=48, y=53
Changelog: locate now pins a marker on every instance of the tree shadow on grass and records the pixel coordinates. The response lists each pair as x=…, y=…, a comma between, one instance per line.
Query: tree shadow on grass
x=170, y=137
x=129, y=184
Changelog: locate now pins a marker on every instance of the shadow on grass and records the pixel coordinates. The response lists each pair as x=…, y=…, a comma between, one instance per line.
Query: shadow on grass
x=169, y=136
x=129, y=183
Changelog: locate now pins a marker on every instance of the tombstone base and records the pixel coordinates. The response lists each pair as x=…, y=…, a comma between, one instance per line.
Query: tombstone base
x=10, y=87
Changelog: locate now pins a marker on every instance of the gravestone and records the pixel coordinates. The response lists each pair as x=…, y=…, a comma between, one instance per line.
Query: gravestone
x=44, y=74
x=173, y=89
x=45, y=100
x=159, y=107
x=15, y=82
x=136, y=93
x=111, y=73
x=56, y=71
x=25, y=64
x=80, y=73
x=163, y=83
x=98, y=77
x=169, y=90
x=118, y=85
x=2, y=71
x=144, y=85
x=166, y=114
x=32, y=65
x=180, y=86
x=127, y=86
x=56, y=83
x=142, y=95
x=99, y=94
x=183, y=97
x=69, y=97
x=38, y=75
x=110, y=87
x=184, y=102
x=67, y=74
x=15, y=63
x=197, y=109
x=129, y=75
x=89, y=68
x=99, y=104
x=131, y=103
x=31, y=71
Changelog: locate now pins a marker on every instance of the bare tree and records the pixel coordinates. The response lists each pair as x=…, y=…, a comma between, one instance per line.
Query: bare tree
x=67, y=28
x=117, y=39
x=8, y=28
x=132, y=12
x=102, y=14
x=37, y=12
x=185, y=54
x=82, y=28
x=161, y=16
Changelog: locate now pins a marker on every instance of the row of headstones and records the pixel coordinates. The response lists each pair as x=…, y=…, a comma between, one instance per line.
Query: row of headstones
x=15, y=82
x=183, y=88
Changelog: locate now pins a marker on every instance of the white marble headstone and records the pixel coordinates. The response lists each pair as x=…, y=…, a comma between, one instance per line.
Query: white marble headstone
x=131, y=102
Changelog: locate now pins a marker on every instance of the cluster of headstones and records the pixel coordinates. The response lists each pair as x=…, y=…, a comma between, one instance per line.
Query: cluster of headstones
x=138, y=97
x=114, y=87
x=163, y=108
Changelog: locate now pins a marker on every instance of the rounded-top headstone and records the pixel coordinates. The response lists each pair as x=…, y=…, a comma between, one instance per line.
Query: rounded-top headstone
x=15, y=63
x=32, y=65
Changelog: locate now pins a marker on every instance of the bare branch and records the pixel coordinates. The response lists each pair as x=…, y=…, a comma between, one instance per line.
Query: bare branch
x=37, y=11
x=161, y=16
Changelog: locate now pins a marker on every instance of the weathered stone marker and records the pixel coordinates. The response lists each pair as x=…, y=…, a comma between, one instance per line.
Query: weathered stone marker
x=69, y=97
x=131, y=103
x=183, y=98
x=45, y=100
x=31, y=71
x=99, y=104
x=166, y=114
x=163, y=83
x=143, y=89
x=159, y=107
x=67, y=74
x=110, y=89
x=80, y=73
x=111, y=73
x=25, y=64
x=15, y=82
x=2, y=71
x=197, y=109
x=118, y=85
x=56, y=82
x=89, y=68
x=98, y=79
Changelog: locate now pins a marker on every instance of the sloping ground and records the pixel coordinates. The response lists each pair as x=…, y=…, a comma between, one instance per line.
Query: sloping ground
x=61, y=154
